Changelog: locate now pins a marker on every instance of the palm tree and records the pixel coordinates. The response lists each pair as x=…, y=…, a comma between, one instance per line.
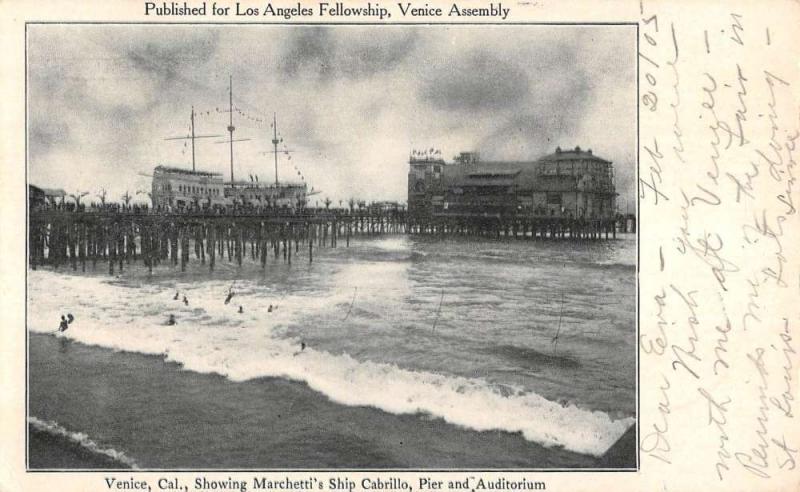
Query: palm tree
x=327, y=202
x=149, y=195
x=127, y=198
x=77, y=197
x=351, y=202
x=102, y=196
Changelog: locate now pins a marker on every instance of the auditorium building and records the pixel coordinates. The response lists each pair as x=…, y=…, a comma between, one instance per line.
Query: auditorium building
x=565, y=184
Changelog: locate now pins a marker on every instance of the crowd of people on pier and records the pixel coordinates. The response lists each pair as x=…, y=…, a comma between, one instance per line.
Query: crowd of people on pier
x=238, y=209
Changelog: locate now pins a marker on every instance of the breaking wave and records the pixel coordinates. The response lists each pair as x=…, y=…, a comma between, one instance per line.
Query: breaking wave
x=82, y=440
x=211, y=337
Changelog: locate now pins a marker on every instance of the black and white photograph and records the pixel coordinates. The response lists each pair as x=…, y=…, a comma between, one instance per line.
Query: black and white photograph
x=331, y=247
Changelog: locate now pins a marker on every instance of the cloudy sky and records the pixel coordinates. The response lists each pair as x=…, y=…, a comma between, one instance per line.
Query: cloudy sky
x=352, y=102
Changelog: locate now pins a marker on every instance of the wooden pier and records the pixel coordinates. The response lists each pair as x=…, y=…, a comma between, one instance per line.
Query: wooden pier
x=66, y=238
x=59, y=238
x=518, y=226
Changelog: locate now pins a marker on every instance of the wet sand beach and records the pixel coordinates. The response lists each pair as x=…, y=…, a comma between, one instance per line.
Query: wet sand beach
x=160, y=416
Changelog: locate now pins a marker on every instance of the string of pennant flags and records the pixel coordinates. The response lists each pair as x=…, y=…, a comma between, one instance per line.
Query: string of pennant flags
x=259, y=121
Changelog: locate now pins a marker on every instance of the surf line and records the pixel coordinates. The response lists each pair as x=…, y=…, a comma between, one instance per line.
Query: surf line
x=81, y=439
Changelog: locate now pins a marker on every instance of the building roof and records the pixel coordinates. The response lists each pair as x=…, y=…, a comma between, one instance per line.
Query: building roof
x=494, y=173
x=178, y=170
x=571, y=155
x=58, y=192
x=523, y=175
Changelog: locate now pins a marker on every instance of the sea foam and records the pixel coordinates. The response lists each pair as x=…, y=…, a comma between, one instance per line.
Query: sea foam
x=211, y=337
x=81, y=439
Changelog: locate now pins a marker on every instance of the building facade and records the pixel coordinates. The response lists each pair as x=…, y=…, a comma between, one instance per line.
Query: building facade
x=176, y=189
x=261, y=195
x=567, y=183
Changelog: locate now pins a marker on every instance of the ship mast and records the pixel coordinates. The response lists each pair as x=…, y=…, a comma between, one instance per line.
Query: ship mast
x=275, y=143
x=231, y=128
x=193, y=169
x=192, y=137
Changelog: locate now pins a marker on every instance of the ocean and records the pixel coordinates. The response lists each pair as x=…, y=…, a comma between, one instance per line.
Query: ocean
x=396, y=352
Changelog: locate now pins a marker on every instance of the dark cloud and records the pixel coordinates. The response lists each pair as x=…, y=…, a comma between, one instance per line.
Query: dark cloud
x=353, y=53
x=351, y=100
x=549, y=118
x=46, y=134
x=308, y=50
x=167, y=58
x=475, y=82
x=526, y=110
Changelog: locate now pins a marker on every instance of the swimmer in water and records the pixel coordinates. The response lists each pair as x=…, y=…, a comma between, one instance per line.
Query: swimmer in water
x=63, y=325
x=230, y=294
x=185, y=301
x=269, y=309
x=70, y=318
x=241, y=310
x=302, y=346
x=176, y=296
x=171, y=321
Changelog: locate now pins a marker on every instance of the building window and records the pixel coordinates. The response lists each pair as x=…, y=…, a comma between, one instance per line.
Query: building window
x=554, y=198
